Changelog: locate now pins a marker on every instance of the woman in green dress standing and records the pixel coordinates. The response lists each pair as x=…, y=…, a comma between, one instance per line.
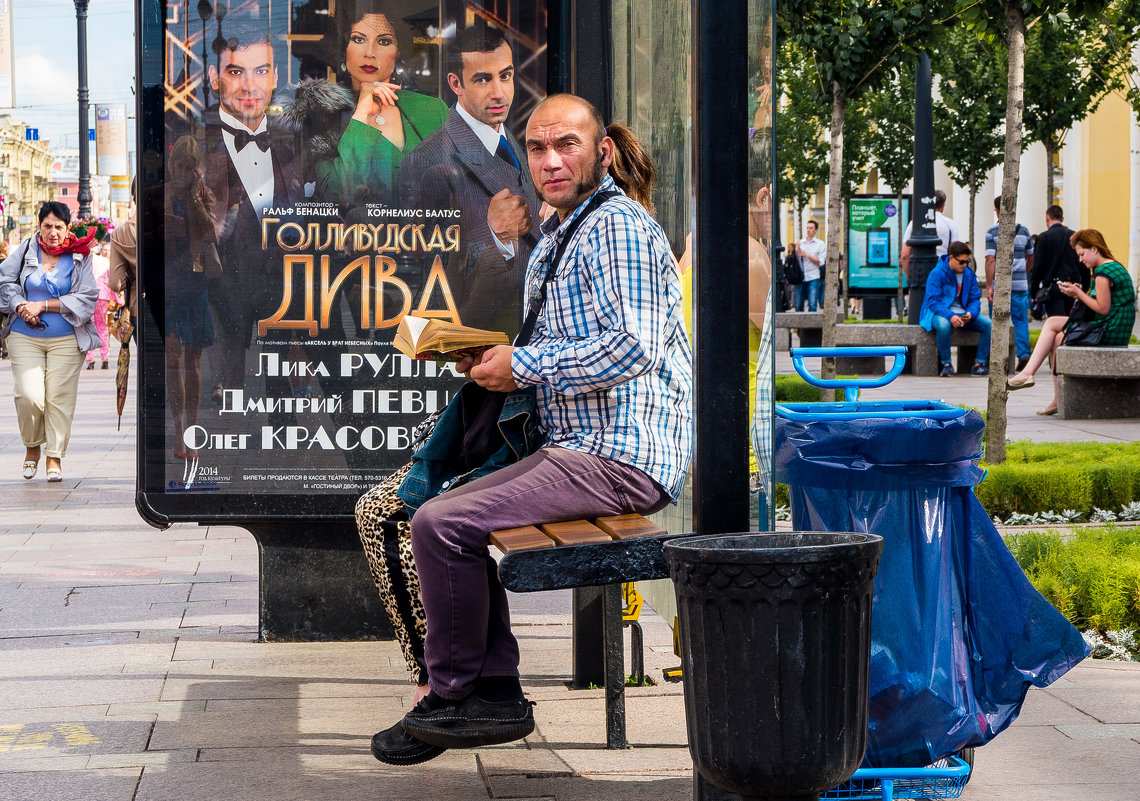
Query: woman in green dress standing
x=1111, y=299
x=359, y=128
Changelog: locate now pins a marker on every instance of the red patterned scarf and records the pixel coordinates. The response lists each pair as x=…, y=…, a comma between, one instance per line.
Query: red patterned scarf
x=72, y=244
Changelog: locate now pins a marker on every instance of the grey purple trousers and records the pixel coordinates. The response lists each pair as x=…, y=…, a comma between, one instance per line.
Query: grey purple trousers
x=468, y=622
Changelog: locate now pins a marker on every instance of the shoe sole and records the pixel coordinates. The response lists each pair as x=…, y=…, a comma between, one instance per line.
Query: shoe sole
x=471, y=736
x=1015, y=387
x=415, y=756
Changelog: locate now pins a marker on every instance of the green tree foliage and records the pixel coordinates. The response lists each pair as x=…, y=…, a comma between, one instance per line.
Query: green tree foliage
x=801, y=129
x=1071, y=64
x=970, y=108
x=852, y=45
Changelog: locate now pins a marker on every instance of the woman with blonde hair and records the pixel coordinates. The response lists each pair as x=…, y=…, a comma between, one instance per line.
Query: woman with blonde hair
x=1111, y=301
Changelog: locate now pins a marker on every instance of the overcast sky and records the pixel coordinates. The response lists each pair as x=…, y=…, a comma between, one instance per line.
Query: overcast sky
x=47, y=69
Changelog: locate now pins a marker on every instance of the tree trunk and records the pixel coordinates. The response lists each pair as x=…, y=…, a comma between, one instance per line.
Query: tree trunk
x=1050, y=192
x=1007, y=221
x=902, y=230
x=834, y=223
x=973, y=189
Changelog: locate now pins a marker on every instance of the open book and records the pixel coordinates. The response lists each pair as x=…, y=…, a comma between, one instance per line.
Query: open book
x=430, y=338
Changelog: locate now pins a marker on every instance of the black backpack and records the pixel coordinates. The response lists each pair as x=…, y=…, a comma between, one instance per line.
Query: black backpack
x=793, y=272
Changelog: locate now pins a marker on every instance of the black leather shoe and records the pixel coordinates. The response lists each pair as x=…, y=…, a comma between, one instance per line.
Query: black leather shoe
x=471, y=722
x=395, y=746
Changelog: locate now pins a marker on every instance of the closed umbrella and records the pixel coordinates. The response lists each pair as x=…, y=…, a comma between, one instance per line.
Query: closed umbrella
x=121, y=327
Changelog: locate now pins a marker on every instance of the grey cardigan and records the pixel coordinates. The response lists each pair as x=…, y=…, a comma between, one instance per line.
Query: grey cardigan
x=77, y=307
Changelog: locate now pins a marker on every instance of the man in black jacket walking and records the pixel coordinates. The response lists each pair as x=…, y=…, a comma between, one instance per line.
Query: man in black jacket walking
x=1055, y=260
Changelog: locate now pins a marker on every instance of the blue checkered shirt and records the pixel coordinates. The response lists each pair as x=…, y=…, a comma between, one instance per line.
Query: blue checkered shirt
x=609, y=355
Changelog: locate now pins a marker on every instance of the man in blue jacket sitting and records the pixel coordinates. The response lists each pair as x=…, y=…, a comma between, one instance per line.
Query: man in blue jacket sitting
x=953, y=300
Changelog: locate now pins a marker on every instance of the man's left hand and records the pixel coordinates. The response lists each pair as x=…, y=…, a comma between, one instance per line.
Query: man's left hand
x=493, y=370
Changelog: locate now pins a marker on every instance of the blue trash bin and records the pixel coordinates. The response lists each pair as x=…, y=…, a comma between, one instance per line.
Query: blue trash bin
x=958, y=632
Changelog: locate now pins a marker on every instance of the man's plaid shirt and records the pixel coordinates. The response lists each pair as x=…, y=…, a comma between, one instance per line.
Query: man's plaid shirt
x=609, y=355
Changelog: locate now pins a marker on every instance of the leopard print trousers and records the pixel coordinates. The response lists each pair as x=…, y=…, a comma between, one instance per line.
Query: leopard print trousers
x=386, y=534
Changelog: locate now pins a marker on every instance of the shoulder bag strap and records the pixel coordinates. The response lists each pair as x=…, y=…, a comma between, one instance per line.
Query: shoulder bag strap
x=536, y=306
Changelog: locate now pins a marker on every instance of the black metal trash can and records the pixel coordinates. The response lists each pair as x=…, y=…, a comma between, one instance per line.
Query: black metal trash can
x=775, y=632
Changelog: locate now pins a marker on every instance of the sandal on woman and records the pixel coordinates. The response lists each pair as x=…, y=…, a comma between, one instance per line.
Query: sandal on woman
x=1047, y=412
x=55, y=474
x=1019, y=383
x=29, y=469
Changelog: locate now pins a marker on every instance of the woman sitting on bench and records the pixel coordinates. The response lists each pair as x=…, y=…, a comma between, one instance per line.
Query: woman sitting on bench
x=1111, y=301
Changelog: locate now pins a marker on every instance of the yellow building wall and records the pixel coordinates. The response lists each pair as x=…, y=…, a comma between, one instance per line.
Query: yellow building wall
x=1105, y=140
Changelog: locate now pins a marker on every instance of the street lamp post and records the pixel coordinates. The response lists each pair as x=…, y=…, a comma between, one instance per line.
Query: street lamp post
x=84, y=166
x=924, y=233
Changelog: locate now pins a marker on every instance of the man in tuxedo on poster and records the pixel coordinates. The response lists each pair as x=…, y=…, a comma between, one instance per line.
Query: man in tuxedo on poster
x=249, y=166
x=473, y=164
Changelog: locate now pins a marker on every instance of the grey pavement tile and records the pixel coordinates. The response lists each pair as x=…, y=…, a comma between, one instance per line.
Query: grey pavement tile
x=320, y=721
x=1053, y=792
x=1043, y=755
x=530, y=761
x=642, y=786
x=76, y=690
x=63, y=660
x=169, y=667
x=142, y=759
x=70, y=734
x=69, y=784
x=219, y=590
x=1101, y=731
x=217, y=684
x=155, y=710
x=315, y=777
x=1042, y=707
x=13, y=764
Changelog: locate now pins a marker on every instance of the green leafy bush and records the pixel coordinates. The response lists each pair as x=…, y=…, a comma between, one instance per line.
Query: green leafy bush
x=793, y=389
x=1092, y=576
x=1052, y=476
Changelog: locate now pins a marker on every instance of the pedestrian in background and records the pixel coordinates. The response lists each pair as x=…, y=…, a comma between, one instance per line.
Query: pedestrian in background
x=3, y=315
x=102, y=267
x=1019, y=286
x=811, y=251
x=48, y=289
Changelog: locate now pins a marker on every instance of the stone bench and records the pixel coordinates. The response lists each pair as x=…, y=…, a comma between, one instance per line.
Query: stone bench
x=921, y=347
x=579, y=554
x=1098, y=383
x=809, y=325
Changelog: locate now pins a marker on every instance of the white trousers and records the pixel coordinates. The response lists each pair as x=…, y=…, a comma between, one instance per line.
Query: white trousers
x=46, y=375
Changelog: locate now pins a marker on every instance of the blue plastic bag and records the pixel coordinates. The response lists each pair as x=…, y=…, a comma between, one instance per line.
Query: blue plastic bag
x=958, y=632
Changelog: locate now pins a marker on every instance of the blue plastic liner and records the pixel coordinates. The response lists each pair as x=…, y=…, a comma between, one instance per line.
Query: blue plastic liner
x=958, y=632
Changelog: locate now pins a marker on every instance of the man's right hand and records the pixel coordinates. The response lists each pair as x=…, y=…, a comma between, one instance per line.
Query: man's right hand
x=508, y=216
x=990, y=293
x=957, y=321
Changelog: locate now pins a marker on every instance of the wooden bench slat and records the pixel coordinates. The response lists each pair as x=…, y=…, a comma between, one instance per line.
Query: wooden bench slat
x=622, y=527
x=519, y=539
x=575, y=532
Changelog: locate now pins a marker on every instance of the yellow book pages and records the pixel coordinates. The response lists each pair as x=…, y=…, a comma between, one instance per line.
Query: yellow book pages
x=428, y=338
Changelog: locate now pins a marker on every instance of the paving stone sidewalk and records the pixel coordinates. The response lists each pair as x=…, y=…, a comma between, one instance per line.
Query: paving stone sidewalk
x=130, y=670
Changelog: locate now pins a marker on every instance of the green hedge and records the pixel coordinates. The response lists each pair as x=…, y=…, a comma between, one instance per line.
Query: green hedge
x=1091, y=575
x=1054, y=476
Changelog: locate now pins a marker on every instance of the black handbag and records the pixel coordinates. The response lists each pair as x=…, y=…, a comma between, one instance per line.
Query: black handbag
x=793, y=272
x=480, y=408
x=1086, y=333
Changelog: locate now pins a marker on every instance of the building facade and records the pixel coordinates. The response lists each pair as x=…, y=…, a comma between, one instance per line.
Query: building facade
x=25, y=178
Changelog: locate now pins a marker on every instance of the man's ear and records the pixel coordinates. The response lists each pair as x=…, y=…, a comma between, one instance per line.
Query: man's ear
x=273, y=88
x=607, y=146
x=212, y=72
x=455, y=83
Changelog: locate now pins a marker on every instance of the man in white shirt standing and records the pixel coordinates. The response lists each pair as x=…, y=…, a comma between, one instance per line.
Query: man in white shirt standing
x=811, y=252
x=249, y=168
x=947, y=232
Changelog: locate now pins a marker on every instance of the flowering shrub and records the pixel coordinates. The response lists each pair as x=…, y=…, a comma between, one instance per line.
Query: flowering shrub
x=103, y=227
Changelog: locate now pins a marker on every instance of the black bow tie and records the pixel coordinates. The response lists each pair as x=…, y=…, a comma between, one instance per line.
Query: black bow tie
x=243, y=138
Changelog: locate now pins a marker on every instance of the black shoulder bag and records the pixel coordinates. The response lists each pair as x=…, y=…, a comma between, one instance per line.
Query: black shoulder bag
x=479, y=409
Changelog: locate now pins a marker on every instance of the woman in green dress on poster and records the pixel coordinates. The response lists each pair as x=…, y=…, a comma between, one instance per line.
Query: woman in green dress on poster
x=359, y=128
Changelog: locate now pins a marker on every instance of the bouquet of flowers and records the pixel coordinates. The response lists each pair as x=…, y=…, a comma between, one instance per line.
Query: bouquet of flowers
x=102, y=226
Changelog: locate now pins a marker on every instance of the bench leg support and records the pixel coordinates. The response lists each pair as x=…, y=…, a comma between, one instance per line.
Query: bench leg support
x=615, y=667
x=588, y=661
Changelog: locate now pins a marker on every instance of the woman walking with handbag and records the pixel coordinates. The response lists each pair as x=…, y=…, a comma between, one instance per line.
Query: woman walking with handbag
x=1102, y=317
x=48, y=289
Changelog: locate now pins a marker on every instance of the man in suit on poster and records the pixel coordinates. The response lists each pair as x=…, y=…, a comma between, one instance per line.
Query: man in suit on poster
x=473, y=164
x=249, y=166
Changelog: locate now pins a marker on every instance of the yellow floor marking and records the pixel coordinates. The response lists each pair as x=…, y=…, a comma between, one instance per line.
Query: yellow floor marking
x=8, y=735
x=76, y=734
x=33, y=742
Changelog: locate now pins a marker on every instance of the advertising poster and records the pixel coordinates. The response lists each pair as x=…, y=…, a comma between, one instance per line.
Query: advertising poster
x=318, y=184
x=874, y=239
